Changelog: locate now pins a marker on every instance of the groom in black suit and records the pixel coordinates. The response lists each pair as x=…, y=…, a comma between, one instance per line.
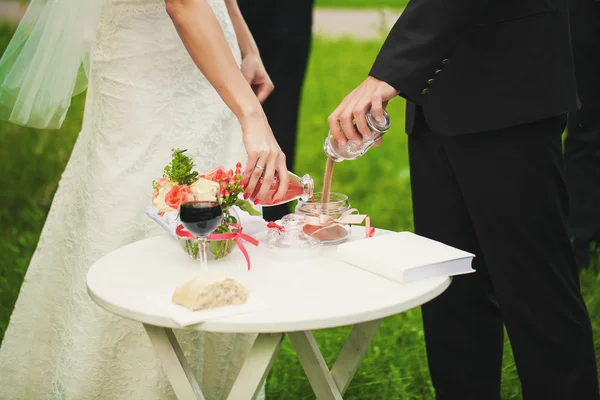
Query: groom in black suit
x=582, y=146
x=488, y=84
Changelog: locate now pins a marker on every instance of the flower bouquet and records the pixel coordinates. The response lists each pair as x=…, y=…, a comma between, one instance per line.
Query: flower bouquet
x=180, y=183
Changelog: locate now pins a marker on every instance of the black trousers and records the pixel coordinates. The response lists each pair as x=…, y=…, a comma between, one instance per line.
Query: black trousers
x=501, y=195
x=582, y=146
x=283, y=32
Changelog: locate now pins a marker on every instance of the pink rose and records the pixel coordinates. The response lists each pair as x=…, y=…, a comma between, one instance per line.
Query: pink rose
x=177, y=195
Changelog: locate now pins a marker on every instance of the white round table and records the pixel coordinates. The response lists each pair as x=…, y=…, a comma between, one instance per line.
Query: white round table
x=303, y=295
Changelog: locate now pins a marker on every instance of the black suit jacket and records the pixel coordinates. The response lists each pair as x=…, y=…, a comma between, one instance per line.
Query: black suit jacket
x=480, y=65
x=585, y=34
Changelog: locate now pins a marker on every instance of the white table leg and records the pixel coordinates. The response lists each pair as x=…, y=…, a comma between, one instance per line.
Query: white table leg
x=257, y=366
x=327, y=385
x=314, y=366
x=332, y=385
x=174, y=363
x=353, y=352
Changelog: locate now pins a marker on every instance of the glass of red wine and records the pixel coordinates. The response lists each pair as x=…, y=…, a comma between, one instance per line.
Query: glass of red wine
x=201, y=218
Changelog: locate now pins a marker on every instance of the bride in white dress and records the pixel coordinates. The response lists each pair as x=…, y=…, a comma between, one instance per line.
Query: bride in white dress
x=146, y=95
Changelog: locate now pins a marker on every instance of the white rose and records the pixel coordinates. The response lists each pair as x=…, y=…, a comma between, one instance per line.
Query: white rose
x=159, y=197
x=205, y=190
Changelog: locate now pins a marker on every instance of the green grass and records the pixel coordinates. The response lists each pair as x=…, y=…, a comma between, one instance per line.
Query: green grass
x=395, y=368
x=32, y=162
x=361, y=3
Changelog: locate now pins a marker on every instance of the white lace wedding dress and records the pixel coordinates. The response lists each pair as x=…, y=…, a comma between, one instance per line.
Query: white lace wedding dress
x=145, y=97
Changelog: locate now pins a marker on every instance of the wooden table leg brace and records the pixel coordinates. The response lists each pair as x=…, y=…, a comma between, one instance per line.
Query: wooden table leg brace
x=249, y=381
x=331, y=385
x=258, y=364
x=174, y=363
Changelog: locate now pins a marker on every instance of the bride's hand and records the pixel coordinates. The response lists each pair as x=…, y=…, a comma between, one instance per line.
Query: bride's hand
x=265, y=160
x=256, y=75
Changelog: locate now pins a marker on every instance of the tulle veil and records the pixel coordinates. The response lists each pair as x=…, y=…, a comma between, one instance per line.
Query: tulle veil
x=47, y=61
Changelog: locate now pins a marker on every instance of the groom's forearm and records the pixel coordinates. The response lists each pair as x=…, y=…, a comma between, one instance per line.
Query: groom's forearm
x=204, y=40
x=424, y=36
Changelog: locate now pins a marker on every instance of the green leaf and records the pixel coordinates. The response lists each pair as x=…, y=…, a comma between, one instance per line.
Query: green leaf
x=247, y=206
x=221, y=248
x=230, y=219
x=180, y=168
x=223, y=228
x=215, y=248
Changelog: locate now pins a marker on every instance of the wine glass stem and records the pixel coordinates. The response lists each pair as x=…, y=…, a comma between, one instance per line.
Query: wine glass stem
x=202, y=242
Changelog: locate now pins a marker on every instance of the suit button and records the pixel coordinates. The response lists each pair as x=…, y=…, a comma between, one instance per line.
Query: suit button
x=445, y=61
x=424, y=91
x=437, y=71
x=430, y=81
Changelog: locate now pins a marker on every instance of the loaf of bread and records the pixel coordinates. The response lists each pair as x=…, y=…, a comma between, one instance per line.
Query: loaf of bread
x=210, y=290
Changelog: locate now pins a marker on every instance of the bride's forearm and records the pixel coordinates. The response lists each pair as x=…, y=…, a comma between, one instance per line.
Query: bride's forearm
x=204, y=40
x=244, y=36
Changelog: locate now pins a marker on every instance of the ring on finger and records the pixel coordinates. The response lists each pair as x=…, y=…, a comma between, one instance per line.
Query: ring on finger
x=262, y=169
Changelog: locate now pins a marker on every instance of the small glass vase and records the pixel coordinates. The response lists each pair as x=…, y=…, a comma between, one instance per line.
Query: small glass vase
x=289, y=241
x=337, y=205
x=217, y=249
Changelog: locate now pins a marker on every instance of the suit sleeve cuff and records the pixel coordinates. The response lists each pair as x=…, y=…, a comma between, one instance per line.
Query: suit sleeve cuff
x=413, y=86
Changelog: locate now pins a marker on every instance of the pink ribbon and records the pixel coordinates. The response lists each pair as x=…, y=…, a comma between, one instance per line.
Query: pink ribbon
x=238, y=236
x=349, y=217
x=273, y=225
x=181, y=232
x=370, y=231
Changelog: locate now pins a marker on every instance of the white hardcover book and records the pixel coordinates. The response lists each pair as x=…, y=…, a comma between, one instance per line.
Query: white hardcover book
x=405, y=257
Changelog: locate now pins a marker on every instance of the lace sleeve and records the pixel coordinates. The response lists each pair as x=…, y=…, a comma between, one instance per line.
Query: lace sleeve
x=47, y=61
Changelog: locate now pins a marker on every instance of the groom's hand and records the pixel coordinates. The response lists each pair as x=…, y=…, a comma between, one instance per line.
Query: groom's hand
x=371, y=94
